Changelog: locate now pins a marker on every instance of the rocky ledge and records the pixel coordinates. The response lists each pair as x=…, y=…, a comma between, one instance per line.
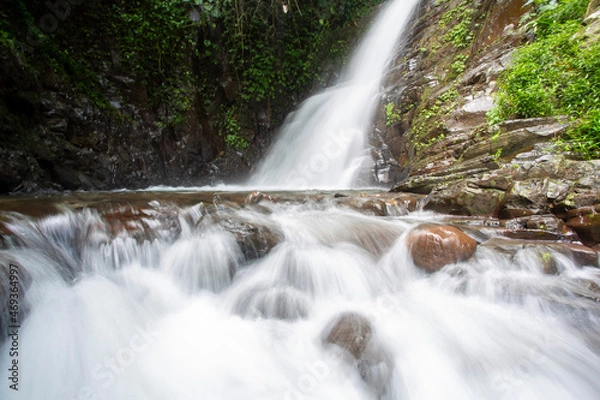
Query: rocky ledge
x=435, y=139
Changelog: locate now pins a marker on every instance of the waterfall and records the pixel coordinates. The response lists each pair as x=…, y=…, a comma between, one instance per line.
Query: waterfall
x=172, y=304
x=324, y=143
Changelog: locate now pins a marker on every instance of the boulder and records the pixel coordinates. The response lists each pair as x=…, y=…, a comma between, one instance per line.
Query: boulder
x=350, y=331
x=354, y=333
x=255, y=239
x=376, y=207
x=517, y=140
x=465, y=198
x=587, y=227
x=434, y=246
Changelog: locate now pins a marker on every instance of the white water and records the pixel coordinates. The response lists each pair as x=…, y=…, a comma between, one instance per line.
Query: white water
x=324, y=144
x=179, y=313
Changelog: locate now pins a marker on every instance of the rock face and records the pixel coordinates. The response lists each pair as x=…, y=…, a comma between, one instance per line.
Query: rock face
x=437, y=141
x=441, y=88
x=434, y=246
x=174, y=106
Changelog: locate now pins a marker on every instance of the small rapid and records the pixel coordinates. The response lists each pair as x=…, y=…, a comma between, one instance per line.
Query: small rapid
x=244, y=300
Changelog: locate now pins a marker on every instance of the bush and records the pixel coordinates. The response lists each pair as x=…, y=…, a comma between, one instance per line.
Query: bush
x=556, y=75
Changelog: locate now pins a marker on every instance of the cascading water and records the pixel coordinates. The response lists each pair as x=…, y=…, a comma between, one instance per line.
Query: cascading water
x=324, y=143
x=162, y=302
x=292, y=297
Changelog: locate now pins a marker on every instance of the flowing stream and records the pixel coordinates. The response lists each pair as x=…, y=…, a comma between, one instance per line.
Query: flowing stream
x=324, y=144
x=166, y=302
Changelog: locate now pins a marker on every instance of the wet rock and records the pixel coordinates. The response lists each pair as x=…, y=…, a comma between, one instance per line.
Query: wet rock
x=587, y=227
x=533, y=196
x=533, y=234
x=549, y=265
x=546, y=222
x=255, y=240
x=537, y=227
x=350, y=331
x=371, y=206
x=143, y=222
x=465, y=198
x=588, y=289
x=434, y=246
x=256, y=197
x=354, y=333
x=580, y=254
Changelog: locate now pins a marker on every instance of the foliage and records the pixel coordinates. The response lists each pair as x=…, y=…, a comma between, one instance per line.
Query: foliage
x=274, y=53
x=391, y=114
x=459, y=64
x=231, y=129
x=177, y=52
x=460, y=34
x=556, y=75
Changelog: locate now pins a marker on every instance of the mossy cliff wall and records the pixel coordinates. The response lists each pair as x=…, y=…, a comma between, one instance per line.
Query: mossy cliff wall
x=107, y=94
x=454, y=125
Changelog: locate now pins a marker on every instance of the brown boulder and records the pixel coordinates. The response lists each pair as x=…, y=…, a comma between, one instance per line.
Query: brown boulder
x=255, y=239
x=369, y=206
x=350, y=331
x=434, y=246
x=355, y=334
x=587, y=227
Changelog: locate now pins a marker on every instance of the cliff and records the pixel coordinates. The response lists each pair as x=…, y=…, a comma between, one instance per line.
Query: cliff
x=101, y=95
x=436, y=134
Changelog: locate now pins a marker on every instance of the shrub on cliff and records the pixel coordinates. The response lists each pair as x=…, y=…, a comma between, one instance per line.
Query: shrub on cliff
x=557, y=74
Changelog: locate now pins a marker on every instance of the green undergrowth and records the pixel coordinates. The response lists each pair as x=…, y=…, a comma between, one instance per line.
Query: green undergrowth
x=181, y=51
x=557, y=74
